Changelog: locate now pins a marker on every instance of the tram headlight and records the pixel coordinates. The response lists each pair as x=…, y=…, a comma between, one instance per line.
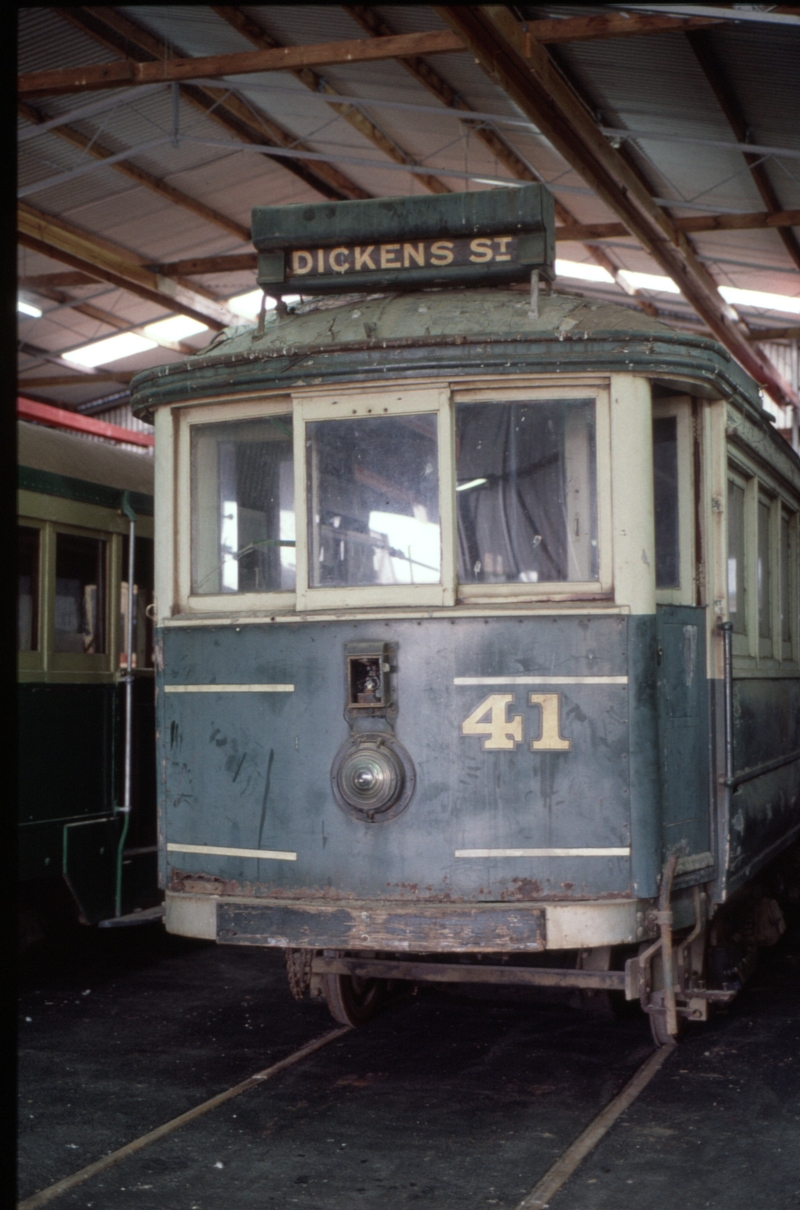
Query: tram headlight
x=372, y=777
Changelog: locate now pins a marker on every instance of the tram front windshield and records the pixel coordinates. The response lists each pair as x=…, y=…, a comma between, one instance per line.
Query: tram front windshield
x=526, y=492
x=526, y=498
x=373, y=501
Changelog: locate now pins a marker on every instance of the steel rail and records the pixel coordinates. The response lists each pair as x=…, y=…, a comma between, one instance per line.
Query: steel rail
x=556, y=1176
x=84, y=1174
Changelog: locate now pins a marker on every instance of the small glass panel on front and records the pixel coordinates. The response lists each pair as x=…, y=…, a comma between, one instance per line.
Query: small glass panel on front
x=80, y=607
x=665, y=490
x=526, y=492
x=736, y=578
x=28, y=589
x=373, y=503
x=243, y=537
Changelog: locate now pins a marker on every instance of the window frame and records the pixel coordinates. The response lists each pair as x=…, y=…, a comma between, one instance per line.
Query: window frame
x=553, y=590
x=68, y=661
x=680, y=406
x=789, y=651
x=174, y=425
x=229, y=602
x=358, y=403
x=57, y=514
x=752, y=649
x=34, y=661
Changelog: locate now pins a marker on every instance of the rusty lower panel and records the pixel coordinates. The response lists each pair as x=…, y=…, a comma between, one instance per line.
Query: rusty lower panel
x=435, y=972
x=436, y=928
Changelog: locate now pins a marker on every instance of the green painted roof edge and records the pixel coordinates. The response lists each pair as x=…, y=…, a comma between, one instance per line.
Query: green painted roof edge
x=48, y=483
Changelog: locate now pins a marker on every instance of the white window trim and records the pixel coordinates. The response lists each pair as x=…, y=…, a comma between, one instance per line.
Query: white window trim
x=554, y=590
x=351, y=403
x=681, y=408
x=204, y=414
x=173, y=595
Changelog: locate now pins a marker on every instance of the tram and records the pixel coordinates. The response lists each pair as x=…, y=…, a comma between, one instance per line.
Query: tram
x=87, y=782
x=477, y=623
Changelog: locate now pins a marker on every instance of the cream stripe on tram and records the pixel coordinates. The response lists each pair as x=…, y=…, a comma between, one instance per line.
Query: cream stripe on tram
x=543, y=852
x=540, y=680
x=217, y=851
x=229, y=688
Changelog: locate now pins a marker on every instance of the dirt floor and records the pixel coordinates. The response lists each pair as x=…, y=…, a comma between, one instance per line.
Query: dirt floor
x=444, y=1101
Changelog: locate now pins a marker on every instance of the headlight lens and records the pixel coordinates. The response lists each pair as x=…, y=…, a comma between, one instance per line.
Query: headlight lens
x=370, y=776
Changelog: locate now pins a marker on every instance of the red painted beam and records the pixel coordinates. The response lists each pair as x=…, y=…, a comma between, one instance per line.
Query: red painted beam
x=60, y=418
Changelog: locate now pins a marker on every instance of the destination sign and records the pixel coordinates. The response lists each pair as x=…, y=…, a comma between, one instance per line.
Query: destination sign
x=407, y=254
x=490, y=237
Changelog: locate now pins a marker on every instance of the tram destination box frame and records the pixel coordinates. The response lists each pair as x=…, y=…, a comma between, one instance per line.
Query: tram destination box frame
x=491, y=238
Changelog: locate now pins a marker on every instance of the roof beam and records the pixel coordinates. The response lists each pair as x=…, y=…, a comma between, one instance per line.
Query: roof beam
x=139, y=175
x=759, y=334
x=568, y=232
x=730, y=105
x=63, y=80
x=611, y=25
x=70, y=277
x=369, y=19
x=71, y=380
x=117, y=32
x=61, y=241
x=318, y=85
x=111, y=320
x=526, y=73
x=237, y=262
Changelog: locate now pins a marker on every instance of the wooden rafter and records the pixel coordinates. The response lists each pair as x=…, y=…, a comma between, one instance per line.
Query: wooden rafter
x=612, y=25
x=371, y=20
x=523, y=69
x=318, y=85
x=62, y=241
x=61, y=81
x=69, y=277
x=236, y=262
x=139, y=175
x=731, y=106
x=760, y=334
x=118, y=32
x=110, y=319
x=568, y=232
x=71, y=380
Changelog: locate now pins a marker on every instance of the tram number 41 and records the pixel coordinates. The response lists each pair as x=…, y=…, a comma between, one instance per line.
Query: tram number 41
x=503, y=734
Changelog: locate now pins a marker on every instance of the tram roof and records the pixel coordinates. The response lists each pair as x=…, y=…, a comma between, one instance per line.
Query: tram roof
x=61, y=464
x=453, y=332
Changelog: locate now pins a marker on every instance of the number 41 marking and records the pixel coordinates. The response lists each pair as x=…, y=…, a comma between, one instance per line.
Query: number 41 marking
x=503, y=734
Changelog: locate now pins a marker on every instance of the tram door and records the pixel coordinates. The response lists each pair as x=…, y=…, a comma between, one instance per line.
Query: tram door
x=683, y=688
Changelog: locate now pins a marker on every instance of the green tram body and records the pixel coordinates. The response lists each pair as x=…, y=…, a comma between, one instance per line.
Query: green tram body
x=71, y=658
x=552, y=751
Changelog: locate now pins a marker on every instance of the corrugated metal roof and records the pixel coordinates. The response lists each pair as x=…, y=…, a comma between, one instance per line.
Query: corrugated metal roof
x=651, y=84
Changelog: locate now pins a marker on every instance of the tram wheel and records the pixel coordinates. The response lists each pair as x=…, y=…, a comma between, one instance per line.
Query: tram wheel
x=353, y=1001
x=658, y=1023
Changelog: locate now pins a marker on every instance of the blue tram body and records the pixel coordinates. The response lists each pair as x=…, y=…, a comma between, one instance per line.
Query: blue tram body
x=478, y=637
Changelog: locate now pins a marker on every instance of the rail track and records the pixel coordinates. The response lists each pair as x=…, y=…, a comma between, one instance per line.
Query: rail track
x=539, y=1196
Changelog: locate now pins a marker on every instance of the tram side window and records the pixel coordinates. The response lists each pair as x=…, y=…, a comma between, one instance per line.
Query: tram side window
x=526, y=491
x=736, y=569
x=764, y=572
x=243, y=537
x=80, y=605
x=373, y=509
x=788, y=564
x=665, y=488
x=28, y=589
x=142, y=597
